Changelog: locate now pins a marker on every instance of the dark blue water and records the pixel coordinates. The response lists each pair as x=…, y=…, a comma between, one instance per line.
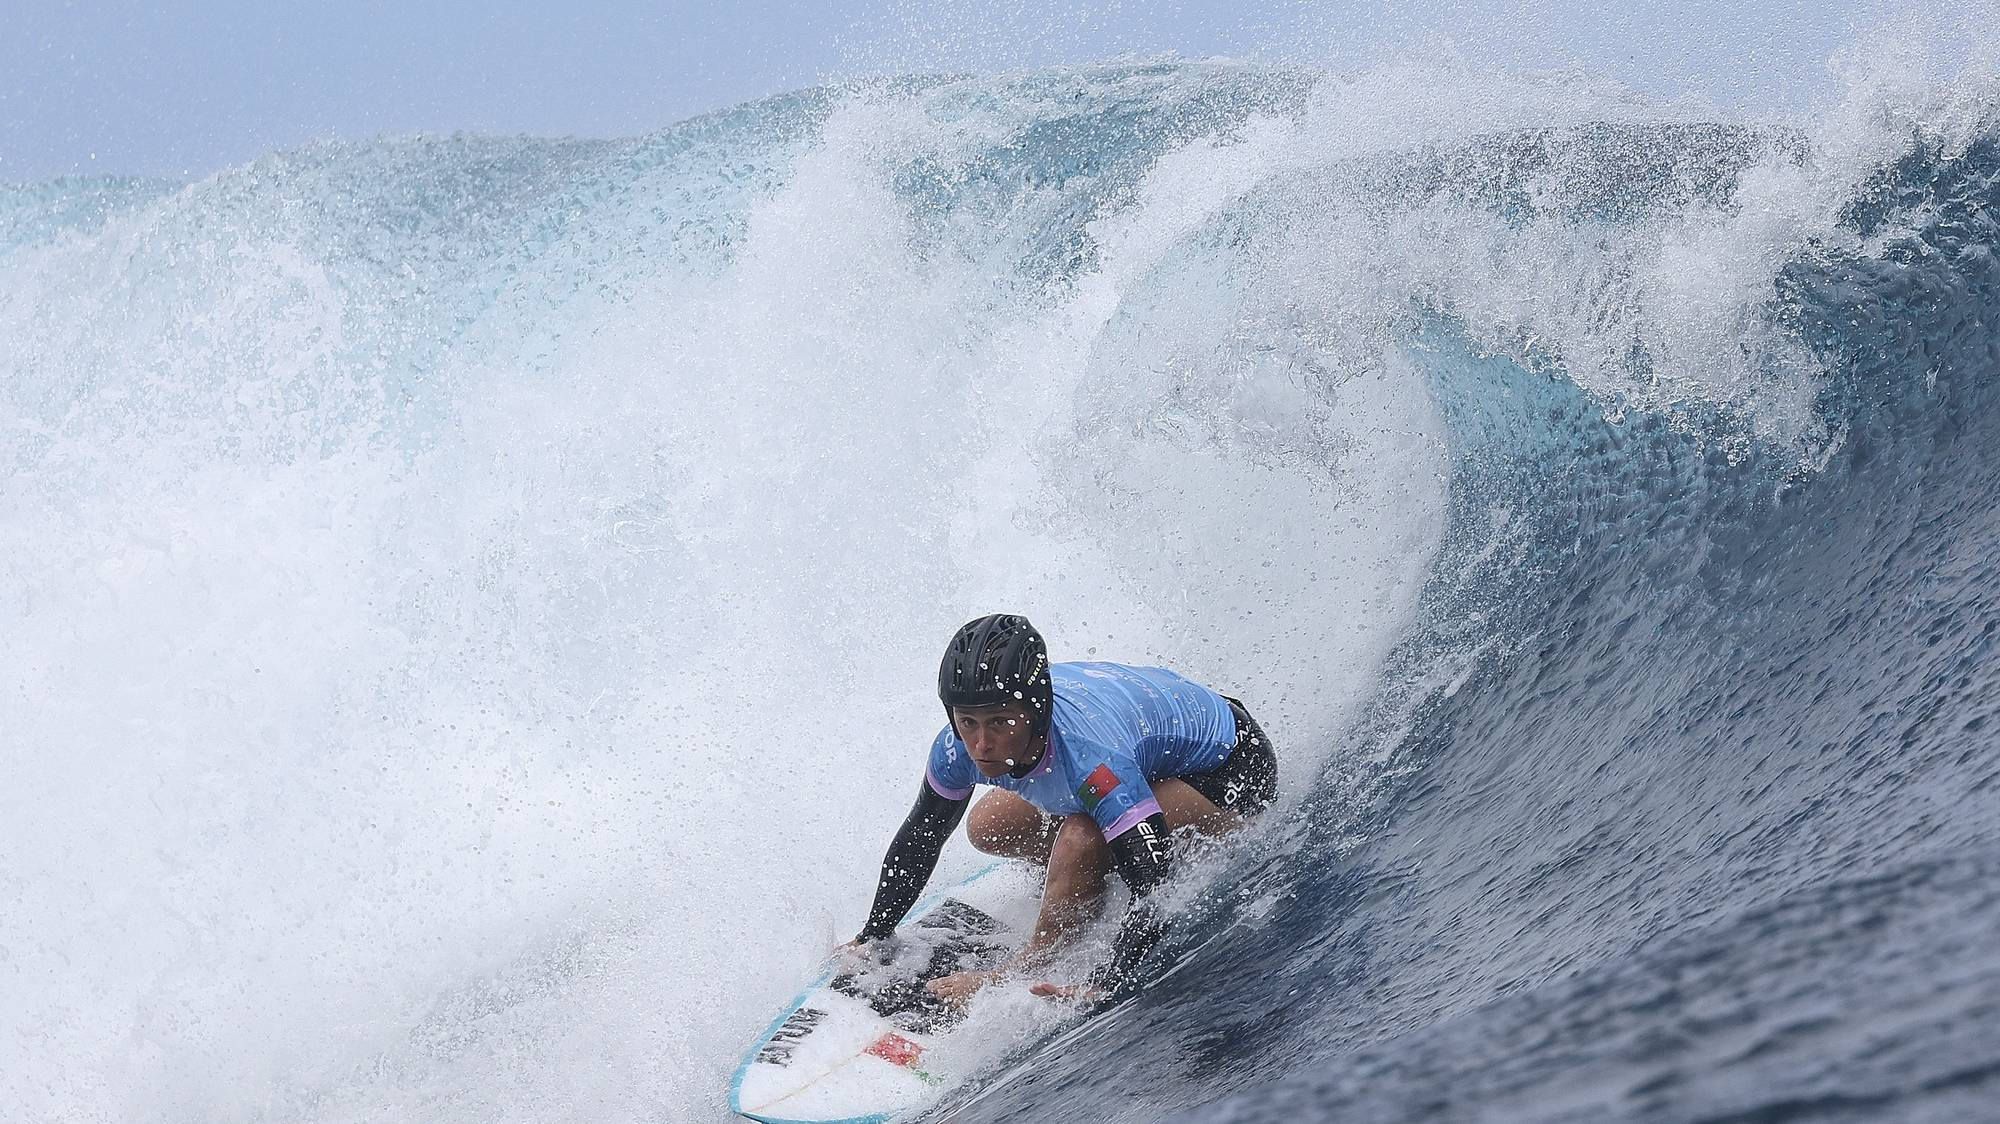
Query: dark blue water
x=1712, y=832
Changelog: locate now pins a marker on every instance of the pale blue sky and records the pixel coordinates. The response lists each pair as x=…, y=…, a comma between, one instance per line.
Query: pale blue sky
x=182, y=87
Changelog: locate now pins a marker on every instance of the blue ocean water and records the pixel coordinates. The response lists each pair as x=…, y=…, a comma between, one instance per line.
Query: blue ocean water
x=1593, y=499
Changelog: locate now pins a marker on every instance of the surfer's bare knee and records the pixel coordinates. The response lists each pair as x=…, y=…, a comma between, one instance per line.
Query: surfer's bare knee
x=1005, y=825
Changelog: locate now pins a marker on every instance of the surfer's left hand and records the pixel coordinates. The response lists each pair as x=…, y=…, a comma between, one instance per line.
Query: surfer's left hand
x=1074, y=993
x=957, y=988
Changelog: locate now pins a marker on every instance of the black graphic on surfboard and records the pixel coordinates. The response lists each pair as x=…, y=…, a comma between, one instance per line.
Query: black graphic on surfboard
x=945, y=940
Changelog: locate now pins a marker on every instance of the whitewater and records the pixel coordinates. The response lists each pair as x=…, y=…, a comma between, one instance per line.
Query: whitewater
x=473, y=603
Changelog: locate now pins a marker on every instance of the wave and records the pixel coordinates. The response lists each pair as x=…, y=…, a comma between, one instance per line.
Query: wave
x=468, y=591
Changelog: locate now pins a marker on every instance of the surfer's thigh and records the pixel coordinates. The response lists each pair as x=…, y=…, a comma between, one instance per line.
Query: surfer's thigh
x=1004, y=824
x=1246, y=782
x=1184, y=807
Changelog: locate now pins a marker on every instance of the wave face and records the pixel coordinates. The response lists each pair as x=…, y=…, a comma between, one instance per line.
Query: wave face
x=473, y=599
x=1703, y=825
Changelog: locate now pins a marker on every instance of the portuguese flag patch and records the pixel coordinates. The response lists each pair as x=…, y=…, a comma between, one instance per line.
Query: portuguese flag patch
x=1096, y=786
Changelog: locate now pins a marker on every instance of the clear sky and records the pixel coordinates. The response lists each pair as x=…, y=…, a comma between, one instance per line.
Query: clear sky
x=182, y=87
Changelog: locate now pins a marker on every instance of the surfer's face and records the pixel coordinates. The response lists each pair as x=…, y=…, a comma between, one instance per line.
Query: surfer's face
x=997, y=737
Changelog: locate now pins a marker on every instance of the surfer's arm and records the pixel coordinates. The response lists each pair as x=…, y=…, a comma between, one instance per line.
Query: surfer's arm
x=913, y=854
x=1140, y=854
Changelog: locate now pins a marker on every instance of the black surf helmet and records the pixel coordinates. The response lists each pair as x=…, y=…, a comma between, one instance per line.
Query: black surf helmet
x=995, y=660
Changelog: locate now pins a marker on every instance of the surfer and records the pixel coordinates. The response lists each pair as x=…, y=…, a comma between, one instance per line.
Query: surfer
x=1097, y=766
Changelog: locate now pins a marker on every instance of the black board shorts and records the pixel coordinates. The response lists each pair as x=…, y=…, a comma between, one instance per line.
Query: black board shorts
x=1247, y=780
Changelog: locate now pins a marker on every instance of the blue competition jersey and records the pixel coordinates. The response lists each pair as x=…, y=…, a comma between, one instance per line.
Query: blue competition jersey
x=1115, y=730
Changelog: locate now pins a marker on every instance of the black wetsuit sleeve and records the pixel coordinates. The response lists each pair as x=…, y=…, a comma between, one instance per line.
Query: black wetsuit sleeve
x=1140, y=855
x=913, y=854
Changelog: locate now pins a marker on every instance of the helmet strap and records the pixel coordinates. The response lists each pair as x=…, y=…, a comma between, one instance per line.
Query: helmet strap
x=1019, y=771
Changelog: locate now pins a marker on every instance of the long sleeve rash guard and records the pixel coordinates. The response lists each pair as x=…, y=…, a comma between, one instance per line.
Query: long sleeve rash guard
x=912, y=856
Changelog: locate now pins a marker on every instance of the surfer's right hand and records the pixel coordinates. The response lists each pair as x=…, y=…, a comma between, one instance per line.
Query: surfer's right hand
x=859, y=954
x=851, y=955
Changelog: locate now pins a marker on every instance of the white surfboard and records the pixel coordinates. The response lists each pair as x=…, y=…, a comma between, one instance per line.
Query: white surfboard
x=851, y=1047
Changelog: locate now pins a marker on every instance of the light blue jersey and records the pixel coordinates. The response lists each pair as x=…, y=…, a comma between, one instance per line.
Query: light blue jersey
x=1115, y=730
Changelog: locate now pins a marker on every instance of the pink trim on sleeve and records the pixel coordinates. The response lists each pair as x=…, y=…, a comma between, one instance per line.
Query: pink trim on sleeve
x=948, y=793
x=1123, y=823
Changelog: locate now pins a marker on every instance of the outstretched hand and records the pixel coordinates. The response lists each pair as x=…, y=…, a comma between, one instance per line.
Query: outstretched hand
x=1071, y=993
x=958, y=988
x=860, y=955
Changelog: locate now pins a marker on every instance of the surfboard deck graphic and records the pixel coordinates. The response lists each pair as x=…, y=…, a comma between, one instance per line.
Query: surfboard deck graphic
x=851, y=1047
